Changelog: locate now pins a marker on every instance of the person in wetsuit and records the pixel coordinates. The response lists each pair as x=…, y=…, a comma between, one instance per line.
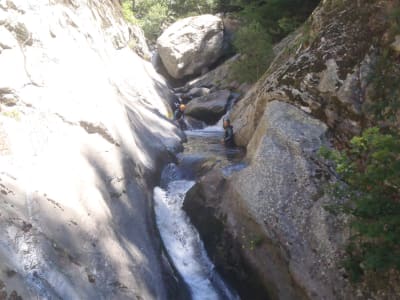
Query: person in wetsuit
x=179, y=116
x=228, y=139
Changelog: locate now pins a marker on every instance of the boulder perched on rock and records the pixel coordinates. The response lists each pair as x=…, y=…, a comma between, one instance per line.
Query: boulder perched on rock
x=209, y=108
x=190, y=45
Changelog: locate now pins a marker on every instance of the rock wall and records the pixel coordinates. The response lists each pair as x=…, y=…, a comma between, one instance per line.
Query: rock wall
x=325, y=68
x=273, y=211
x=270, y=215
x=83, y=135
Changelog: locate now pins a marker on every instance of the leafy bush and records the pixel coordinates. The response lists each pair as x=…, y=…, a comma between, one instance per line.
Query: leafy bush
x=152, y=24
x=127, y=12
x=370, y=170
x=256, y=48
x=183, y=8
x=154, y=15
x=150, y=15
x=277, y=17
x=385, y=78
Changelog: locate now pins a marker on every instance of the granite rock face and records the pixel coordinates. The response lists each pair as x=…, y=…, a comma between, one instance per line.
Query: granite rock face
x=324, y=69
x=83, y=135
x=191, y=45
x=273, y=211
x=270, y=216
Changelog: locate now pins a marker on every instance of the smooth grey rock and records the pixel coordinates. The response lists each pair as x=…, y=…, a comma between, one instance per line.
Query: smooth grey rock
x=190, y=45
x=282, y=192
x=80, y=153
x=208, y=108
x=198, y=92
x=138, y=42
x=325, y=70
x=271, y=212
x=220, y=77
x=329, y=77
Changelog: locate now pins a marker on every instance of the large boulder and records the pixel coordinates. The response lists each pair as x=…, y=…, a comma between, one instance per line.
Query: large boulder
x=209, y=108
x=275, y=208
x=269, y=216
x=191, y=45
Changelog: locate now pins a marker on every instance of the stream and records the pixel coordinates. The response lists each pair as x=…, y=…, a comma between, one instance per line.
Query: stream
x=180, y=237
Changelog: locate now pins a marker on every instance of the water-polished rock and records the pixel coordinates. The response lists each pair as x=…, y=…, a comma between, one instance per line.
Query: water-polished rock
x=209, y=108
x=83, y=134
x=191, y=45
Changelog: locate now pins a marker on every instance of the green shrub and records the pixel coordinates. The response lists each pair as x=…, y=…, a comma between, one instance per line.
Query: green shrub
x=370, y=173
x=385, y=91
x=183, y=8
x=152, y=23
x=277, y=17
x=127, y=11
x=153, y=15
x=256, y=48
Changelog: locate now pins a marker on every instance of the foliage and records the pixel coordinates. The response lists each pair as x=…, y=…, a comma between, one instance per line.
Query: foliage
x=385, y=78
x=370, y=170
x=256, y=48
x=265, y=22
x=154, y=15
x=183, y=8
x=385, y=90
x=148, y=14
x=277, y=17
x=127, y=12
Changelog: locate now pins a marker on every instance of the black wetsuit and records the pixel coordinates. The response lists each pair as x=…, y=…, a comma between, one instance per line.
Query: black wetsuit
x=178, y=116
x=228, y=137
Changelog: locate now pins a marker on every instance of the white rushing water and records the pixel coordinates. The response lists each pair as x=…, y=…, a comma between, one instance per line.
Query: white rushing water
x=184, y=245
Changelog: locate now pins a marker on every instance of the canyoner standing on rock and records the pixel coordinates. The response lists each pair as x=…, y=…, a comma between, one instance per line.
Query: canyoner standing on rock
x=179, y=117
x=228, y=139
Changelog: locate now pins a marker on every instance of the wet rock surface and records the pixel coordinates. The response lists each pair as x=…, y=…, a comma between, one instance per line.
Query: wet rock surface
x=209, y=108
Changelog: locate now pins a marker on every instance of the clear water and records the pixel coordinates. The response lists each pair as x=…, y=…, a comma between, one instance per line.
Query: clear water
x=179, y=236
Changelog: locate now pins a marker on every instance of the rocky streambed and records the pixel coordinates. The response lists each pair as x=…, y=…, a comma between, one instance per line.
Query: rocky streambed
x=181, y=239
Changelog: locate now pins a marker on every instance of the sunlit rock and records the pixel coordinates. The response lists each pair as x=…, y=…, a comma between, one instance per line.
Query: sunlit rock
x=83, y=133
x=190, y=45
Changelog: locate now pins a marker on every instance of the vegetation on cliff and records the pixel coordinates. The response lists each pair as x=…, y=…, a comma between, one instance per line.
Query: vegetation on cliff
x=255, y=45
x=263, y=23
x=369, y=172
x=154, y=16
x=370, y=187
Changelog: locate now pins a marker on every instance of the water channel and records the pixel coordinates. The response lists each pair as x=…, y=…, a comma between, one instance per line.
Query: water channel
x=180, y=237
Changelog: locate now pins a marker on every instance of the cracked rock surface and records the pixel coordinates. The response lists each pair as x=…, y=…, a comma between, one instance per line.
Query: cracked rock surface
x=83, y=133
